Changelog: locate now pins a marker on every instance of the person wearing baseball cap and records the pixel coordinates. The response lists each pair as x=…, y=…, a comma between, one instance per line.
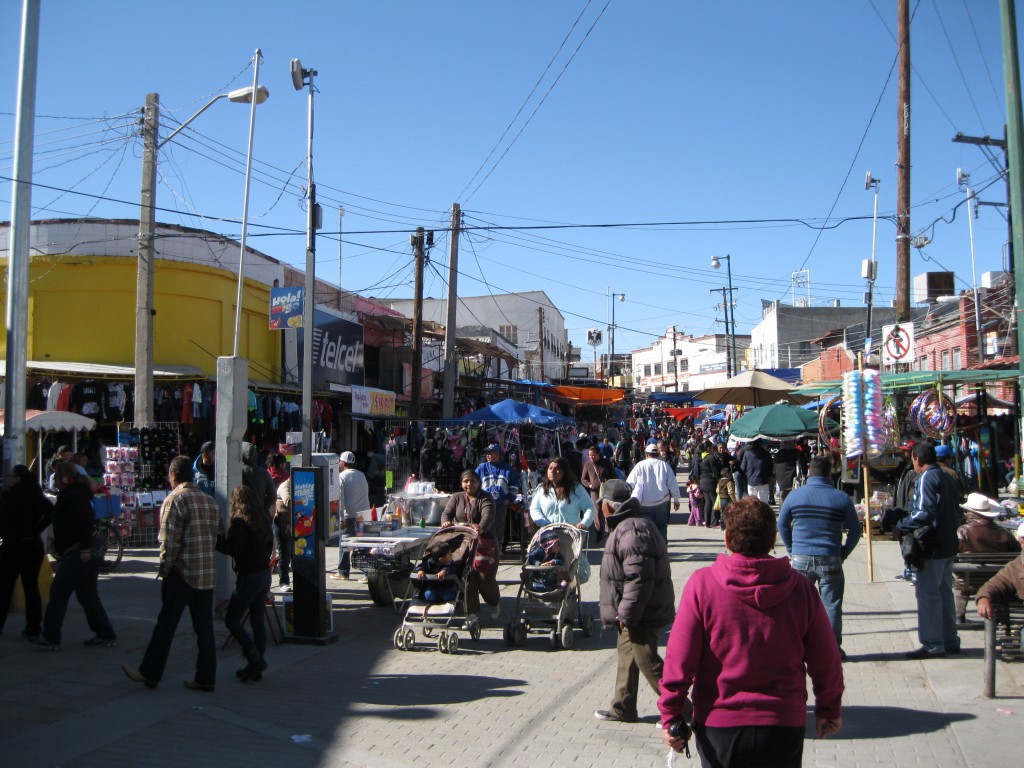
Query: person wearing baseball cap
x=353, y=499
x=502, y=482
x=979, y=534
x=1009, y=581
x=637, y=597
x=654, y=484
x=203, y=468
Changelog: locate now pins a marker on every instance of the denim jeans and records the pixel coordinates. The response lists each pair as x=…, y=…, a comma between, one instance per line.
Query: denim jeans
x=73, y=577
x=176, y=596
x=250, y=595
x=344, y=555
x=740, y=481
x=827, y=573
x=936, y=611
x=658, y=514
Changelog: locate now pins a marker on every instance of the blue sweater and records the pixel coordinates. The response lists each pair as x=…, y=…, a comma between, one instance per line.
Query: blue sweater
x=812, y=519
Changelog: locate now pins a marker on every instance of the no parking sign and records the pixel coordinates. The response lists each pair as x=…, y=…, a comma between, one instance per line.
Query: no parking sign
x=897, y=343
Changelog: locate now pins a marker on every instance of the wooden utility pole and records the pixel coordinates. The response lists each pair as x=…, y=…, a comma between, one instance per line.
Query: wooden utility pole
x=451, y=370
x=540, y=340
x=903, y=166
x=417, y=325
x=144, y=276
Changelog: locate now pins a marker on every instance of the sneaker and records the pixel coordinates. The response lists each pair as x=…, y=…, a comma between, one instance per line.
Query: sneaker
x=341, y=577
x=26, y=636
x=97, y=641
x=496, y=611
x=135, y=676
x=364, y=580
x=471, y=618
x=195, y=685
x=611, y=717
x=286, y=587
x=42, y=641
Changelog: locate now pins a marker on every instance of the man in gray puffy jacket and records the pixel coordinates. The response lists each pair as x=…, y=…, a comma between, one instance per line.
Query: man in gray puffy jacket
x=636, y=596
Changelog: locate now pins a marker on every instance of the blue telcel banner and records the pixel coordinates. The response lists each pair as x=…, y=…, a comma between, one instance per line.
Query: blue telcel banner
x=285, y=308
x=304, y=513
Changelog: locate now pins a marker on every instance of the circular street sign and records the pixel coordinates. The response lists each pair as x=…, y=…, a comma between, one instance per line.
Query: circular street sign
x=897, y=345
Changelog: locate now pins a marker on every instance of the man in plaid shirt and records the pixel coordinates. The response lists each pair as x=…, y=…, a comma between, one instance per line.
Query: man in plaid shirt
x=190, y=522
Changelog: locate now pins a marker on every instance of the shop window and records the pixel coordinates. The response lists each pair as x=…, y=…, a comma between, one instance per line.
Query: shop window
x=657, y=369
x=510, y=332
x=647, y=370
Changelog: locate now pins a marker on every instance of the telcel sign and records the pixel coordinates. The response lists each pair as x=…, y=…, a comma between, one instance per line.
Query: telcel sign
x=337, y=352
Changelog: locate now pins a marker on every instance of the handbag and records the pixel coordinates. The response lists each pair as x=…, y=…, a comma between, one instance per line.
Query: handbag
x=717, y=506
x=485, y=560
x=918, y=545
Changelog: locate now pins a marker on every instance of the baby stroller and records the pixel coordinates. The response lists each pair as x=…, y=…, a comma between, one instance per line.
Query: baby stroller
x=548, y=601
x=443, y=618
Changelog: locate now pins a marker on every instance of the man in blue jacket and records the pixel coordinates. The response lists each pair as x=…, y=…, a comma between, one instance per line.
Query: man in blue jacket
x=811, y=524
x=502, y=482
x=935, y=502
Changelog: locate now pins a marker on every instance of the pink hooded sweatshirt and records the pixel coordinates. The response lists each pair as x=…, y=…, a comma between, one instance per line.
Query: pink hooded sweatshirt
x=747, y=632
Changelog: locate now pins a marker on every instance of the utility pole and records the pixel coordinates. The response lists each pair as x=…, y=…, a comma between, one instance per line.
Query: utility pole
x=417, y=324
x=145, y=274
x=675, y=358
x=725, y=309
x=540, y=340
x=903, y=166
x=1015, y=161
x=341, y=217
x=451, y=361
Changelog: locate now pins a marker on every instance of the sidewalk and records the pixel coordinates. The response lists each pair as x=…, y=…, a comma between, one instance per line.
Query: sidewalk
x=362, y=703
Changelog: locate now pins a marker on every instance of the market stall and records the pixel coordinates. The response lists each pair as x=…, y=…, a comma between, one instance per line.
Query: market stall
x=387, y=558
x=42, y=423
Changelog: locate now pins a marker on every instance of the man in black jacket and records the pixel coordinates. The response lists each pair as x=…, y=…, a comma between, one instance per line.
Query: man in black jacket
x=637, y=596
x=78, y=568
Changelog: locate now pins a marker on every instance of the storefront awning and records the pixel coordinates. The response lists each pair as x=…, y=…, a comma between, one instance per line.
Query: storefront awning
x=102, y=371
x=586, y=395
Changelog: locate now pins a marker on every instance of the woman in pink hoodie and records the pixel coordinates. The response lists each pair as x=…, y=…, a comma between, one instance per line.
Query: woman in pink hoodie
x=744, y=630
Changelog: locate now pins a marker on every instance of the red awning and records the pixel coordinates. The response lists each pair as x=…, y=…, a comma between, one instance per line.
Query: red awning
x=586, y=395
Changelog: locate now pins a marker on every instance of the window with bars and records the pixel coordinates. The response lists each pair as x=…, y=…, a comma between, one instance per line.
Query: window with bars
x=510, y=332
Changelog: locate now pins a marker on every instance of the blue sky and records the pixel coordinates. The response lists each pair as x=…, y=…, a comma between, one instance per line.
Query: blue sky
x=696, y=115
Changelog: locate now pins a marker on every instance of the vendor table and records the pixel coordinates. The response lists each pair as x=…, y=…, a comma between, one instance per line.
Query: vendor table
x=387, y=559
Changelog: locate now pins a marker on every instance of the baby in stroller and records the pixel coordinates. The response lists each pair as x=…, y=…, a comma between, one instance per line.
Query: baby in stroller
x=547, y=553
x=438, y=561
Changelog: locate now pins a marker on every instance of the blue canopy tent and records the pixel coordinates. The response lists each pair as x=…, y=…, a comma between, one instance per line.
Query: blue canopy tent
x=514, y=412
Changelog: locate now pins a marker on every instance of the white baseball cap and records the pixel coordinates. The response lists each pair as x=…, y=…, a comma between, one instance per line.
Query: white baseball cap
x=348, y=457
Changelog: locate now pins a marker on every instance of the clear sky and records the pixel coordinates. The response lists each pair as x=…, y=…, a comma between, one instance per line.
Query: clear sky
x=742, y=128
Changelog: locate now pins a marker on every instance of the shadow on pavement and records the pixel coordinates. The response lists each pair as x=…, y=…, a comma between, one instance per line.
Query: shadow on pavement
x=862, y=722
x=426, y=689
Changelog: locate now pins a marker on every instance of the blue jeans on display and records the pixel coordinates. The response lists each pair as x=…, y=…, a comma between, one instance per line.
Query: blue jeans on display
x=176, y=596
x=658, y=514
x=250, y=595
x=936, y=609
x=827, y=573
x=73, y=577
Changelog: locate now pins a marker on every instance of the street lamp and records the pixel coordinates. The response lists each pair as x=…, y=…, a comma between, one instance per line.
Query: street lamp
x=716, y=264
x=255, y=94
x=611, y=330
x=300, y=78
x=869, y=269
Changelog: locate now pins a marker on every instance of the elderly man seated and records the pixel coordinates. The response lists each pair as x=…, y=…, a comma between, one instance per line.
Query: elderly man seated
x=1006, y=583
x=979, y=534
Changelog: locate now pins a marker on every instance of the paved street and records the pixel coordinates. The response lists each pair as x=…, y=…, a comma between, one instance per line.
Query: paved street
x=359, y=702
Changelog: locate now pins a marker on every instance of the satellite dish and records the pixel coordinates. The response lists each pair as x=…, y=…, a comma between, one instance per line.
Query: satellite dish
x=297, y=74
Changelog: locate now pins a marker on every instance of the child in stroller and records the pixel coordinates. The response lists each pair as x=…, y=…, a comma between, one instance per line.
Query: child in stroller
x=439, y=563
x=436, y=600
x=547, y=553
x=549, y=591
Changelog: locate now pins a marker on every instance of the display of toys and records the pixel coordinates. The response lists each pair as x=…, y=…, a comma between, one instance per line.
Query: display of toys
x=933, y=414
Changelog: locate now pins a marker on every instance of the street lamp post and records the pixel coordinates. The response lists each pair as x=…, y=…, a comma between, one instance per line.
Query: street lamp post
x=716, y=264
x=304, y=77
x=256, y=94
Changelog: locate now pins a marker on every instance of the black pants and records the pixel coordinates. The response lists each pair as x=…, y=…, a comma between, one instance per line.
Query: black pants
x=710, y=516
x=755, y=746
x=22, y=558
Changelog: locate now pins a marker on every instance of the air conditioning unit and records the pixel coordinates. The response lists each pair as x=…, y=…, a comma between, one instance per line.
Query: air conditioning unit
x=928, y=287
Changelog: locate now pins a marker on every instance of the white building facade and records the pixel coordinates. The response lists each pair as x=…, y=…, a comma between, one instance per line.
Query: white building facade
x=677, y=362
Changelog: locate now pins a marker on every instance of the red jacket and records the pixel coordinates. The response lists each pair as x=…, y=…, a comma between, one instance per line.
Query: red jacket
x=744, y=630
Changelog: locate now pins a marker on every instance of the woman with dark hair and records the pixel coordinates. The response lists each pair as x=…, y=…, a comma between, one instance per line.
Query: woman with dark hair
x=24, y=513
x=745, y=629
x=249, y=543
x=561, y=499
x=596, y=471
x=709, y=472
x=474, y=507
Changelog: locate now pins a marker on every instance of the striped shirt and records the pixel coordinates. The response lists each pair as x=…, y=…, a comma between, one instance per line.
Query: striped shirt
x=190, y=521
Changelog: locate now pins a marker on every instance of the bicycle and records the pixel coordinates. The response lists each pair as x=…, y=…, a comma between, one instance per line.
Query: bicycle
x=111, y=534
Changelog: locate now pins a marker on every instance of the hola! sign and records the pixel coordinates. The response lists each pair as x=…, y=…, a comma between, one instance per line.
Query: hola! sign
x=372, y=402
x=897, y=343
x=285, y=308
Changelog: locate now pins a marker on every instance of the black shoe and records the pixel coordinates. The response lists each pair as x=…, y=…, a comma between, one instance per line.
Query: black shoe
x=604, y=714
x=842, y=655
x=135, y=676
x=923, y=653
x=42, y=641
